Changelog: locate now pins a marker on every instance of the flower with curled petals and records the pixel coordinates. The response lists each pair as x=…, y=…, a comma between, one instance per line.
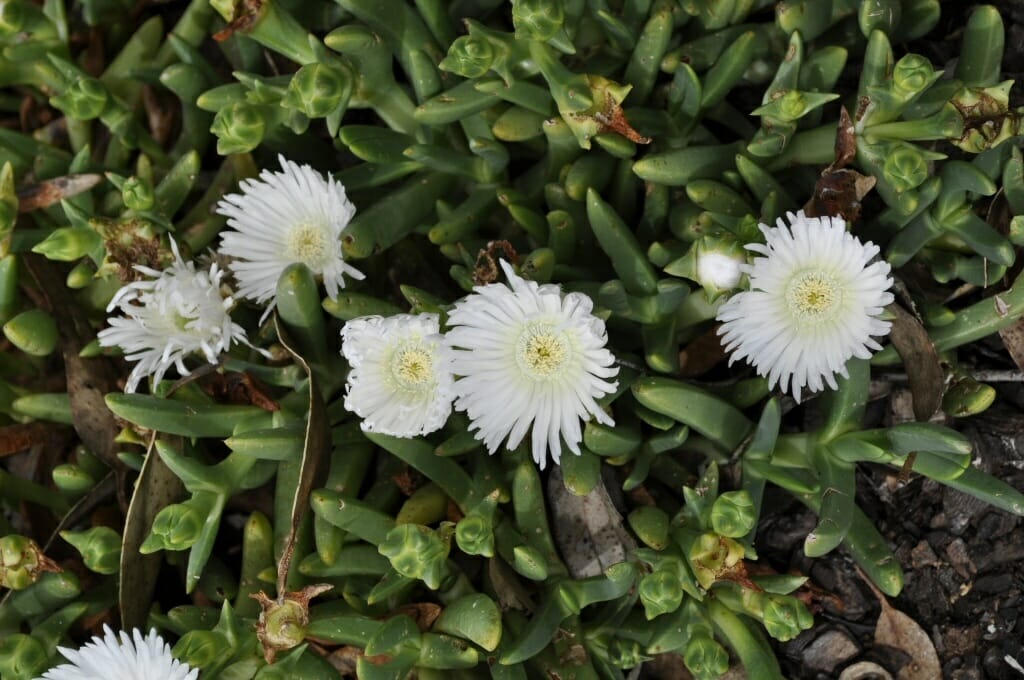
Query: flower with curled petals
x=401, y=381
x=529, y=356
x=173, y=314
x=123, y=657
x=815, y=297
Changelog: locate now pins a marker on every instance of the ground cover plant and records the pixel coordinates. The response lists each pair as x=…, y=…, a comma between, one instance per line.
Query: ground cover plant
x=467, y=338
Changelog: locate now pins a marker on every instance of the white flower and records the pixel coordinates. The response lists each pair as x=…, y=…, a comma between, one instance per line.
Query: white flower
x=286, y=217
x=131, y=658
x=401, y=381
x=169, y=316
x=813, y=304
x=529, y=355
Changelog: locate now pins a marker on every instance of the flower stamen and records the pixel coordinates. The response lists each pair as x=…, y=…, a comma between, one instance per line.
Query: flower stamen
x=306, y=243
x=541, y=351
x=814, y=296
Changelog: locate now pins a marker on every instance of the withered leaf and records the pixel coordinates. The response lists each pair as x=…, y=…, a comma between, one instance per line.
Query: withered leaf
x=51, y=191
x=313, y=467
x=156, y=488
x=924, y=371
x=896, y=629
x=1013, y=340
x=588, y=529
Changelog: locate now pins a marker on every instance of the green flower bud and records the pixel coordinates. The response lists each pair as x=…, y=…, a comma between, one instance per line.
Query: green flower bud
x=912, y=74
x=469, y=57
x=33, y=332
x=22, y=656
x=84, y=99
x=790, y=105
x=537, y=19
x=713, y=556
x=22, y=562
x=176, y=527
x=905, y=168
x=475, y=535
x=137, y=193
x=282, y=623
x=320, y=89
x=67, y=244
x=785, y=617
x=239, y=128
x=416, y=551
x=660, y=592
x=705, y=658
x=100, y=548
x=626, y=653
x=200, y=648
x=733, y=514
x=81, y=275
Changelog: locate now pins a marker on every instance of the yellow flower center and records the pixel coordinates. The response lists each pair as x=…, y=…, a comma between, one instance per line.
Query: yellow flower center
x=412, y=367
x=542, y=351
x=307, y=243
x=814, y=296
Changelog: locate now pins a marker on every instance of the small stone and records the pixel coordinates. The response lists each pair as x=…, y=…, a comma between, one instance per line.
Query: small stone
x=832, y=648
x=923, y=556
x=993, y=584
x=959, y=558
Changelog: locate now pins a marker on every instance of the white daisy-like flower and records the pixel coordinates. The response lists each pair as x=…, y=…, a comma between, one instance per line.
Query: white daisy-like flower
x=529, y=355
x=129, y=658
x=814, y=300
x=295, y=215
x=169, y=316
x=401, y=380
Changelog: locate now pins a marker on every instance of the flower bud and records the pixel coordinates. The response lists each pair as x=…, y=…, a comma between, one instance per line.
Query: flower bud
x=475, y=535
x=660, y=592
x=785, y=617
x=912, y=74
x=319, y=89
x=705, y=658
x=176, y=527
x=469, y=57
x=733, y=514
x=713, y=556
x=84, y=99
x=537, y=19
x=282, y=623
x=22, y=562
x=626, y=653
x=415, y=551
x=137, y=193
x=22, y=656
x=905, y=168
x=33, y=332
x=239, y=128
x=100, y=548
x=714, y=262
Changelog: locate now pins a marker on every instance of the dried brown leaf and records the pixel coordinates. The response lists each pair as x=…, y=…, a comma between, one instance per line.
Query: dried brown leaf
x=423, y=613
x=896, y=629
x=924, y=370
x=588, y=530
x=51, y=191
x=313, y=467
x=1013, y=340
x=156, y=488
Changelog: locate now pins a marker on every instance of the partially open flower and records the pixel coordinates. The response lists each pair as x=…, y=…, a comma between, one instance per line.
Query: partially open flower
x=814, y=301
x=173, y=314
x=401, y=379
x=529, y=356
x=129, y=658
x=295, y=215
